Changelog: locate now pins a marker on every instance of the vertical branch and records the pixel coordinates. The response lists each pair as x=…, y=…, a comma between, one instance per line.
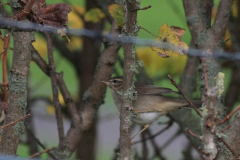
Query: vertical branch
x=209, y=39
x=4, y=66
x=18, y=82
x=129, y=59
x=56, y=102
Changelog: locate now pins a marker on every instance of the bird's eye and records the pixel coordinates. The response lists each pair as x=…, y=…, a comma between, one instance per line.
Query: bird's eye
x=114, y=81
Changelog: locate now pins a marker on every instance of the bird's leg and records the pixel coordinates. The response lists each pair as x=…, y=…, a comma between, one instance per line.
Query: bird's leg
x=137, y=111
x=145, y=127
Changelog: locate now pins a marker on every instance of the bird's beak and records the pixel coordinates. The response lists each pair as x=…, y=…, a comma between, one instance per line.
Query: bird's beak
x=107, y=83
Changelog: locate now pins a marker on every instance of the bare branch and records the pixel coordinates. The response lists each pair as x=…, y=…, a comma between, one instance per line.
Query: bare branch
x=229, y=115
x=55, y=91
x=12, y=123
x=156, y=134
x=4, y=68
x=221, y=20
x=194, y=20
x=229, y=147
x=141, y=8
x=175, y=84
x=38, y=141
x=224, y=129
x=194, y=135
x=40, y=153
x=95, y=94
x=129, y=59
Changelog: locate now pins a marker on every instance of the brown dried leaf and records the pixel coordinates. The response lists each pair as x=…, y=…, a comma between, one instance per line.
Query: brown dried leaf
x=54, y=14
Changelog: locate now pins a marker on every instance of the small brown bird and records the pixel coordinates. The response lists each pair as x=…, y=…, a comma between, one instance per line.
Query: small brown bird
x=150, y=103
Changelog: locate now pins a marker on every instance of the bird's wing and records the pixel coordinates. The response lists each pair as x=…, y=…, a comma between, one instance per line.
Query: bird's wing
x=152, y=90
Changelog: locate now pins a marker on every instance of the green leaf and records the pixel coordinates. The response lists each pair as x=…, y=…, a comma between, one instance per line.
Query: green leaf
x=117, y=13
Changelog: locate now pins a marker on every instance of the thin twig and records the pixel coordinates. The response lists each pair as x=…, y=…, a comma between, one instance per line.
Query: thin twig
x=141, y=8
x=224, y=129
x=38, y=141
x=194, y=135
x=229, y=116
x=157, y=149
x=61, y=84
x=228, y=146
x=55, y=91
x=217, y=155
x=204, y=152
x=4, y=4
x=155, y=135
x=4, y=66
x=175, y=84
x=39, y=153
x=25, y=11
x=148, y=31
x=12, y=123
x=170, y=140
x=205, y=73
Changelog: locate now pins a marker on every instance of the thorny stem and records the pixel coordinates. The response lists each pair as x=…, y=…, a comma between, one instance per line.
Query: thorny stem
x=175, y=84
x=38, y=154
x=12, y=123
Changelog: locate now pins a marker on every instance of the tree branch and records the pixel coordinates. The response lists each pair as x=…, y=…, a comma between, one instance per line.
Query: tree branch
x=129, y=60
x=40, y=153
x=12, y=123
x=195, y=23
x=221, y=20
x=55, y=91
x=18, y=81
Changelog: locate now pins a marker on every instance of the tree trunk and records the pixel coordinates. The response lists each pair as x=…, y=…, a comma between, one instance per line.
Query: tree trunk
x=18, y=81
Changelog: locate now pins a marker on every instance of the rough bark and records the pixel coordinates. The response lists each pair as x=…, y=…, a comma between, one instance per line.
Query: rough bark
x=128, y=73
x=18, y=80
x=233, y=92
x=208, y=40
x=86, y=66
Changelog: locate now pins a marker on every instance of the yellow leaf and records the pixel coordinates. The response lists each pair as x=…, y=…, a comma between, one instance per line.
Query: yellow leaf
x=169, y=41
x=154, y=63
x=94, y=15
x=117, y=13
